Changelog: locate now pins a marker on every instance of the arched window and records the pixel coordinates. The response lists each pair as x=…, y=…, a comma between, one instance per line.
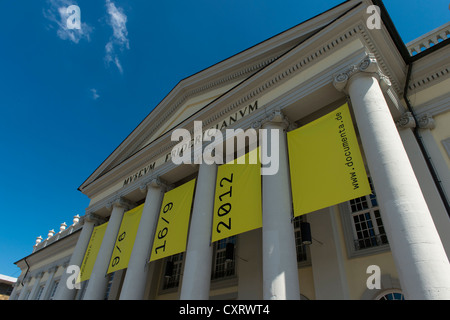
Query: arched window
x=392, y=294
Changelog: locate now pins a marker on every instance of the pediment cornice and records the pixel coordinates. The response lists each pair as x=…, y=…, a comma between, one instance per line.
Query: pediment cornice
x=263, y=75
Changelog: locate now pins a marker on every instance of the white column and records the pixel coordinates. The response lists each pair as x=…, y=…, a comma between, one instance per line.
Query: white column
x=280, y=272
x=133, y=287
x=24, y=289
x=51, y=274
x=422, y=264
x=14, y=292
x=63, y=292
x=98, y=282
x=328, y=263
x=36, y=286
x=197, y=267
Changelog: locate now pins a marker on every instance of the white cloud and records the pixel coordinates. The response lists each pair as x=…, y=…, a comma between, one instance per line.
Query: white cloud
x=57, y=14
x=119, y=39
x=95, y=95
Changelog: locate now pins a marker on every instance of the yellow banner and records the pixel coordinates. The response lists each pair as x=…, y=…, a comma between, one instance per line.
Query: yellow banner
x=326, y=165
x=173, y=224
x=237, y=204
x=91, y=252
x=125, y=239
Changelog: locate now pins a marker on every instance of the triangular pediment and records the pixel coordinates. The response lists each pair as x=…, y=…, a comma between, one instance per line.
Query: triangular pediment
x=196, y=92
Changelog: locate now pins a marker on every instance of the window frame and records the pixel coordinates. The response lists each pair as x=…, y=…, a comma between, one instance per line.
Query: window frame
x=304, y=247
x=216, y=256
x=178, y=266
x=349, y=228
x=393, y=292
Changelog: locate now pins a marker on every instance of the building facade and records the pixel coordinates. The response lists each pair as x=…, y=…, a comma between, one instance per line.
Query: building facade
x=391, y=244
x=6, y=286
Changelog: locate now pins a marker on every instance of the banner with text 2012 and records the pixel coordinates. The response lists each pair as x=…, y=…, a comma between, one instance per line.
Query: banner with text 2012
x=237, y=203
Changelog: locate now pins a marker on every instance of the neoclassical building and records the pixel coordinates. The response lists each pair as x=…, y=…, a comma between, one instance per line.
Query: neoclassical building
x=399, y=99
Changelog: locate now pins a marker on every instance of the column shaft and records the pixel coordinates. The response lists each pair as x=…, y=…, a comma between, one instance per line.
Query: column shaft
x=133, y=287
x=280, y=274
x=48, y=283
x=63, y=292
x=24, y=290
x=98, y=282
x=36, y=286
x=418, y=253
x=197, y=268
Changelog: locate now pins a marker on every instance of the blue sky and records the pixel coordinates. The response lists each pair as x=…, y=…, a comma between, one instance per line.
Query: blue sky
x=68, y=99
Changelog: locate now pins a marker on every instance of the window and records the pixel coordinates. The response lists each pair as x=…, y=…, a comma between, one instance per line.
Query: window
x=301, y=249
x=55, y=286
x=172, y=271
x=222, y=267
x=82, y=290
x=368, y=229
x=363, y=227
x=110, y=282
x=41, y=289
x=391, y=295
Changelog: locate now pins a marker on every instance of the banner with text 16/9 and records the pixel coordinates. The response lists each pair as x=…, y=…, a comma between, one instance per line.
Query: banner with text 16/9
x=173, y=223
x=326, y=166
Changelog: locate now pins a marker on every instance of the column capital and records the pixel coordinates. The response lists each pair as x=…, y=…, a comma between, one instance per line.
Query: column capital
x=367, y=66
x=153, y=183
x=52, y=269
x=406, y=121
x=92, y=217
x=426, y=121
x=119, y=202
x=275, y=117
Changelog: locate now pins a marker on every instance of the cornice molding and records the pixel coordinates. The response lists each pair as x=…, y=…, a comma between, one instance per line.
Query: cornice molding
x=253, y=94
x=254, y=87
x=381, y=63
x=166, y=113
x=429, y=79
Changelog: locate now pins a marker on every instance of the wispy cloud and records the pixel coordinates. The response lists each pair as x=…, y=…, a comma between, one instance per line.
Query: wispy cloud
x=119, y=39
x=95, y=95
x=57, y=14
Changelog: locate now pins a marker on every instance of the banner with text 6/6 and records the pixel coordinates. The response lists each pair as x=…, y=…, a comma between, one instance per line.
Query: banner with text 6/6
x=91, y=252
x=125, y=239
x=237, y=203
x=326, y=165
x=173, y=223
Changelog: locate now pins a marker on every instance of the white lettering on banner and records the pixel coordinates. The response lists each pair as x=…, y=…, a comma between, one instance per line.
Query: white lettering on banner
x=223, y=124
